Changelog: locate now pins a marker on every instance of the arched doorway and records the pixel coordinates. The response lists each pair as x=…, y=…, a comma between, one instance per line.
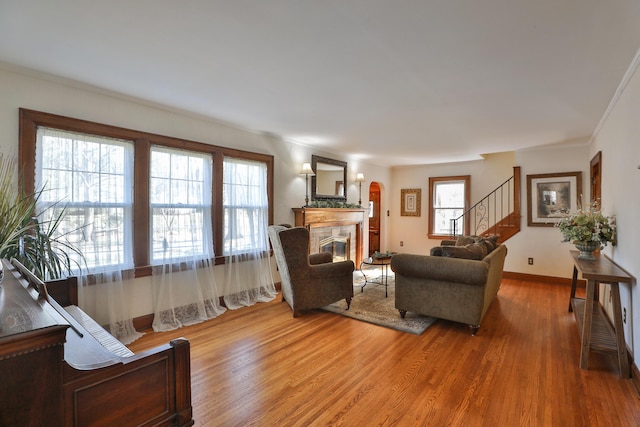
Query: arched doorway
x=374, y=218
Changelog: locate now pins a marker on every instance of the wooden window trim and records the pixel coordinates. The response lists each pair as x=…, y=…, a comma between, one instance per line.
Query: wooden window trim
x=467, y=201
x=30, y=120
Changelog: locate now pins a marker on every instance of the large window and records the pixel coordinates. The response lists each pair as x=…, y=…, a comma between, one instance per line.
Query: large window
x=448, y=200
x=91, y=178
x=246, y=206
x=180, y=198
x=110, y=179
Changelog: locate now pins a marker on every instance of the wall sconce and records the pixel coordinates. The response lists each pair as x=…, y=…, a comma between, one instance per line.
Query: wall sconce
x=306, y=171
x=360, y=180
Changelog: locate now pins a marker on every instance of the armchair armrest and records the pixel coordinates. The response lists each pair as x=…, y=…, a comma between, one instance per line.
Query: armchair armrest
x=320, y=258
x=333, y=269
x=447, y=269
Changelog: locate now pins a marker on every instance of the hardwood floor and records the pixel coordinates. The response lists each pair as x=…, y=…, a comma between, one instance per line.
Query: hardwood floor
x=260, y=366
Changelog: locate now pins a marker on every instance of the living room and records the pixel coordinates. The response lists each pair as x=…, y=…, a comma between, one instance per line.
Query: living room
x=613, y=136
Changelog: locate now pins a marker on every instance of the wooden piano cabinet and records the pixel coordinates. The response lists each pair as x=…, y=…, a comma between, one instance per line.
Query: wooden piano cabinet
x=31, y=351
x=152, y=388
x=595, y=330
x=55, y=372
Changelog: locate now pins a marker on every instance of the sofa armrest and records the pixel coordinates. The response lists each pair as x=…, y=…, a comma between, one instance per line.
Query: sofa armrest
x=441, y=268
x=447, y=243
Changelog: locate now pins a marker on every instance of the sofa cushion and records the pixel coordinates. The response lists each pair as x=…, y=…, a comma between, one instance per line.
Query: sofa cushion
x=475, y=251
x=436, y=251
x=465, y=240
x=490, y=242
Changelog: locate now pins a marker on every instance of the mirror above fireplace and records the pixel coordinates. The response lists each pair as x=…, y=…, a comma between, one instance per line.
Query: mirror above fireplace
x=329, y=181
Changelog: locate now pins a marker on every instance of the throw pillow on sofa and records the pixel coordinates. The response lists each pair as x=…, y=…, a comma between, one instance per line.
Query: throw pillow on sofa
x=490, y=242
x=436, y=251
x=465, y=240
x=475, y=251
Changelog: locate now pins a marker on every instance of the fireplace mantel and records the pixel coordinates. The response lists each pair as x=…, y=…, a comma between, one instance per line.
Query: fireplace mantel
x=333, y=217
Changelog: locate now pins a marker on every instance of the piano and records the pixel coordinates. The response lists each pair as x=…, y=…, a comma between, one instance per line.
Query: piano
x=58, y=367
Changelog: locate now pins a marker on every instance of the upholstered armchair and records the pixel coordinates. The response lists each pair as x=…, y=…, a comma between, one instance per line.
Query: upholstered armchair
x=308, y=281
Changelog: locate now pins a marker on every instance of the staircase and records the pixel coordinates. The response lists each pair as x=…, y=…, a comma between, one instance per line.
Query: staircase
x=498, y=213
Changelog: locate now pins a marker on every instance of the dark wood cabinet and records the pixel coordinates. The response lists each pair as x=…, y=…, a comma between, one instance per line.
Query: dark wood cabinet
x=31, y=349
x=56, y=371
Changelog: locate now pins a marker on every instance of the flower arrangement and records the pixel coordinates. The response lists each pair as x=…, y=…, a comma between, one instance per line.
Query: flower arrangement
x=589, y=226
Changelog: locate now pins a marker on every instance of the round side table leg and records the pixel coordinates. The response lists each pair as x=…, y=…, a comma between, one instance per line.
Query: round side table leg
x=365, y=278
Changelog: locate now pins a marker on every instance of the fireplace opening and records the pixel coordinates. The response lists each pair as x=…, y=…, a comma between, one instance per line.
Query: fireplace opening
x=338, y=246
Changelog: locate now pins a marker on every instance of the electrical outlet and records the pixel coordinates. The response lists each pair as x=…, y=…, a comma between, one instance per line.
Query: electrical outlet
x=624, y=315
x=530, y=261
x=401, y=243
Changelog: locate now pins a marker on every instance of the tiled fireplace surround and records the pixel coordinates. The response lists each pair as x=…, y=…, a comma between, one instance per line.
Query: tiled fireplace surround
x=327, y=222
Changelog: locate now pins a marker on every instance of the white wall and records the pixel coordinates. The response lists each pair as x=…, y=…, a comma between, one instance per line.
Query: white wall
x=486, y=175
x=544, y=244
x=617, y=138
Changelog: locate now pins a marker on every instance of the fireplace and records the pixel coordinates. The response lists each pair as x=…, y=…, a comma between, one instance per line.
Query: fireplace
x=334, y=223
x=338, y=246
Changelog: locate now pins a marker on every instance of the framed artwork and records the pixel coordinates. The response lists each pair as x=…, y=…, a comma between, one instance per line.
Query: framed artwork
x=410, y=202
x=552, y=196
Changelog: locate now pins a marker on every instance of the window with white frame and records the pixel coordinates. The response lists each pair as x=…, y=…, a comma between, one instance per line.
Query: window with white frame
x=91, y=178
x=245, y=206
x=449, y=198
x=180, y=205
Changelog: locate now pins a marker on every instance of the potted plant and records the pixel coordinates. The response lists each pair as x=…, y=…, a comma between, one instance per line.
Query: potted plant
x=36, y=244
x=588, y=230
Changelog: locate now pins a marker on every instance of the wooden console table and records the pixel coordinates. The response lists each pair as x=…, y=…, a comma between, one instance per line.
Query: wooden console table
x=596, y=332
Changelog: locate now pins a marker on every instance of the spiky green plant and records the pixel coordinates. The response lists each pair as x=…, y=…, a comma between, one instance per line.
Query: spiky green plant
x=35, y=243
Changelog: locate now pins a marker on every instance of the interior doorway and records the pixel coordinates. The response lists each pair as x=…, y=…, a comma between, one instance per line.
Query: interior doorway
x=374, y=218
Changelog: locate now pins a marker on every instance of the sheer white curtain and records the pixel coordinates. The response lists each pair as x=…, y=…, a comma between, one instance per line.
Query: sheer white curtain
x=183, y=280
x=248, y=276
x=103, y=290
x=91, y=177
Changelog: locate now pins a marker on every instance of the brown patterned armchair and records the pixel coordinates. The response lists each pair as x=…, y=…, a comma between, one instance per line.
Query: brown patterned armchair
x=308, y=281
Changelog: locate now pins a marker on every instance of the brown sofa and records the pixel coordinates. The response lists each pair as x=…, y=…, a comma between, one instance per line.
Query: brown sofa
x=444, y=286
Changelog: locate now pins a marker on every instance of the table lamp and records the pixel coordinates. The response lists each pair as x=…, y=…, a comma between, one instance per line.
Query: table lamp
x=306, y=171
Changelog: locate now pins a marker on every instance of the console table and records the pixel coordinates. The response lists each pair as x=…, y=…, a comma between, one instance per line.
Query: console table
x=595, y=330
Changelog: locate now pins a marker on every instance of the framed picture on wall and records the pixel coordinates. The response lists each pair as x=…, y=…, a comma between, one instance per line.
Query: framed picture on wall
x=551, y=197
x=410, y=202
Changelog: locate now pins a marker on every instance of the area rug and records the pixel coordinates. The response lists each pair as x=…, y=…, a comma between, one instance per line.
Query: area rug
x=370, y=305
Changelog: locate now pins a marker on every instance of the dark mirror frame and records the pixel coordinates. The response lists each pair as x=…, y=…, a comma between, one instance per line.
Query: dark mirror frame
x=314, y=165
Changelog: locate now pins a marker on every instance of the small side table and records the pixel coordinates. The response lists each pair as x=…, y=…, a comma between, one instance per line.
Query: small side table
x=383, y=262
x=595, y=331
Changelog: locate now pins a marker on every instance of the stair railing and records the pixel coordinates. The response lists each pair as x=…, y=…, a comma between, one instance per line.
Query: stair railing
x=484, y=217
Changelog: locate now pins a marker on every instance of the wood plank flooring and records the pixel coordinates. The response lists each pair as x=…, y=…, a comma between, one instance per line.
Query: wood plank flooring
x=259, y=366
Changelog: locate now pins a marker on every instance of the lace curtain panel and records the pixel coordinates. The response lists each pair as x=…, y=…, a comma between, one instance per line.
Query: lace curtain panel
x=247, y=269
x=102, y=294
x=90, y=178
x=183, y=279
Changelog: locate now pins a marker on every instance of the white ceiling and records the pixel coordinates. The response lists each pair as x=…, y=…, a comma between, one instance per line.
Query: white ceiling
x=392, y=82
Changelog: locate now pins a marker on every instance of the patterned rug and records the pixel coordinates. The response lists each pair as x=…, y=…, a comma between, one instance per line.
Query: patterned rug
x=370, y=305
